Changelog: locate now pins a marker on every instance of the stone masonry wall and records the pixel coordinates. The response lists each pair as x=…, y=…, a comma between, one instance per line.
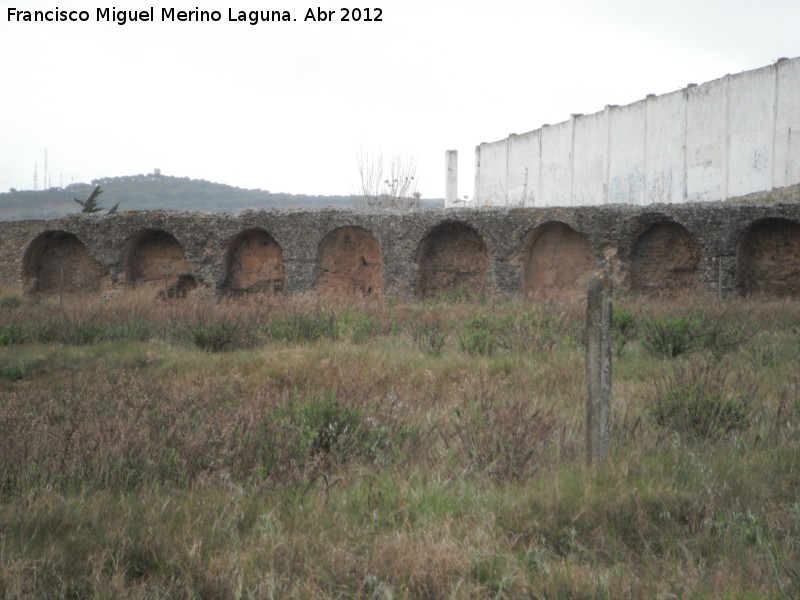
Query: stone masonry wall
x=750, y=248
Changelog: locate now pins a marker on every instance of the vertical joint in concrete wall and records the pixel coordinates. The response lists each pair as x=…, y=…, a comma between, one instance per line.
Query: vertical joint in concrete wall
x=607, y=155
x=774, y=131
x=643, y=195
x=477, y=186
x=572, y=159
x=684, y=150
x=451, y=178
x=726, y=157
x=598, y=369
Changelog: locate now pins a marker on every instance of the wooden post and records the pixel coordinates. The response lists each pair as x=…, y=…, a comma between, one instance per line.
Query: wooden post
x=598, y=369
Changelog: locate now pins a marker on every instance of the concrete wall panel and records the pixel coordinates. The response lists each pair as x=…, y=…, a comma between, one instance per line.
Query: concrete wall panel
x=556, y=162
x=491, y=161
x=589, y=160
x=786, y=164
x=523, y=169
x=626, y=125
x=723, y=139
x=664, y=141
x=705, y=141
x=751, y=118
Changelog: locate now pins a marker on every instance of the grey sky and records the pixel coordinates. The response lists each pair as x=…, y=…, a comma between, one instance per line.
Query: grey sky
x=286, y=106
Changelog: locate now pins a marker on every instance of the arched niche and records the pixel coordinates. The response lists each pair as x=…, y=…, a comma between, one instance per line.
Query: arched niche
x=57, y=261
x=665, y=260
x=155, y=257
x=349, y=263
x=558, y=263
x=452, y=256
x=254, y=263
x=768, y=259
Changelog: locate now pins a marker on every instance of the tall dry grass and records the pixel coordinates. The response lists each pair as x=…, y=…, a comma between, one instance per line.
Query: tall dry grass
x=295, y=447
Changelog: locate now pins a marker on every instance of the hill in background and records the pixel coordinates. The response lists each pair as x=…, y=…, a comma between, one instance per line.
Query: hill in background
x=160, y=192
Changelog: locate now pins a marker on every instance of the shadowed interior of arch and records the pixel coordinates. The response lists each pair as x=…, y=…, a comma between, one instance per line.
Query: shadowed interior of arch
x=254, y=263
x=453, y=256
x=665, y=260
x=156, y=257
x=558, y=264
x=768, y=259
x=350, y=263
x=58, y=261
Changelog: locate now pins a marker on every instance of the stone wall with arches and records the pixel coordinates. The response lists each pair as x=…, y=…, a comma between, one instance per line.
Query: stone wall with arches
x=544, y=254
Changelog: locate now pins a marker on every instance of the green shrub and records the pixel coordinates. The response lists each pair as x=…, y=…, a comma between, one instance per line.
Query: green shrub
x=215, y=336
x=429, y=337
x=698, y=401
x=477, y=338
x=535, y=331
x=83, y=334
x=486, y=333
x=363, y=328
x=670, y=337
x=303, y=328
x=360, y=326
x=135, y=331
x=457, y=295
x=720, y=335
x=10, y=301
x=623, y=327
x=63, y=331
x=321, y=429
x=13, y=371
x=675, y=336
x=328, y=425
x=13, y=334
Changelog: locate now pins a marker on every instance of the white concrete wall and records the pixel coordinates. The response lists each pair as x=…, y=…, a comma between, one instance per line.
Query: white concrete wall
x=729, y=137
x=626, y=152
x=589, y=171
x=491, y=172
x=555, y=179
x=786, y=165
x=665, y=139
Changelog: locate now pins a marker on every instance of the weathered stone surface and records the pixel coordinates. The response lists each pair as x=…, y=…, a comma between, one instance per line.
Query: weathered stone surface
x=424, y=252
x=768, y=259
x=559, y=263
x=58, y=262
x=665, y=260
x=452, y=256
x=253, y=263
x=598, y=369
x=350, y=264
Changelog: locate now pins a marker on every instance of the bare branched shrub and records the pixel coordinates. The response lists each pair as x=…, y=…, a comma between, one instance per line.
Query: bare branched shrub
x=386, y=183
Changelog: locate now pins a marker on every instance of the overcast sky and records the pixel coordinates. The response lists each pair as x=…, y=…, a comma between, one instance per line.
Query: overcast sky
x=285, y=107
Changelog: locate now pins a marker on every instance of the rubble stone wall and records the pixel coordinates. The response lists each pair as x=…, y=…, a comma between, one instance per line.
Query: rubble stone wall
x=540, y=253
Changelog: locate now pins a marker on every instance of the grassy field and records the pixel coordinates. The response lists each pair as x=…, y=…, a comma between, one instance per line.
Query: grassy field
x=293, y=448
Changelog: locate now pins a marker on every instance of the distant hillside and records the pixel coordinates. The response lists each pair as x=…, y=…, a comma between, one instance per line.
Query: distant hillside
x=159, y=192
